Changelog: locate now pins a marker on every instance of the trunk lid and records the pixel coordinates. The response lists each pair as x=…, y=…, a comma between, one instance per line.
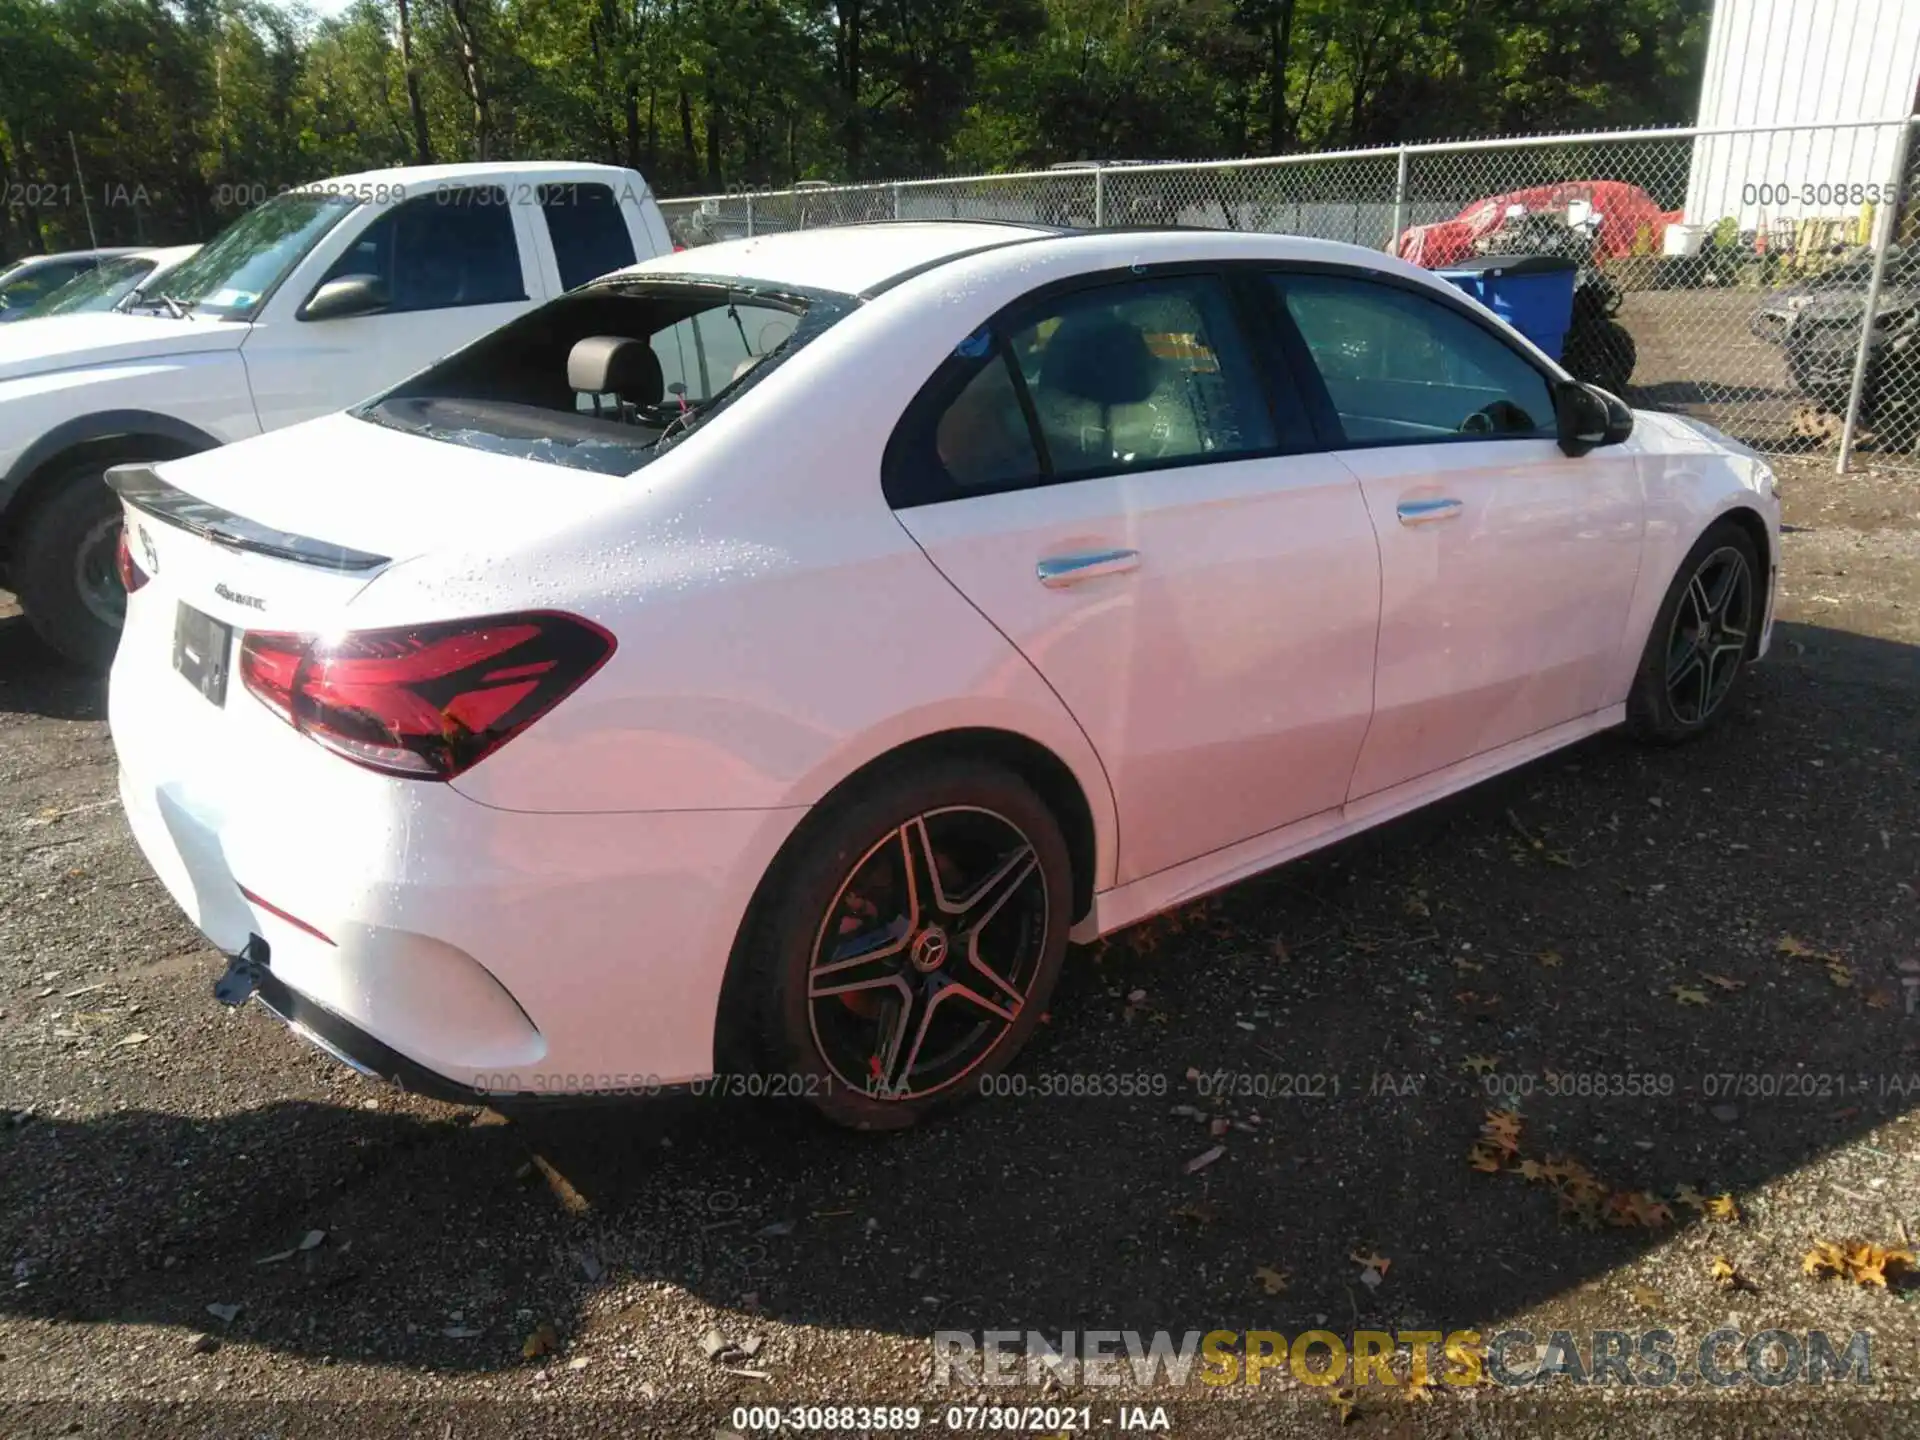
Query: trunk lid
x=351, y=483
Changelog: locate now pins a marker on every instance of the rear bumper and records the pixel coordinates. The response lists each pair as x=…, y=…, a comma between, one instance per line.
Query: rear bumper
x=461, y=949
x=339, y=1036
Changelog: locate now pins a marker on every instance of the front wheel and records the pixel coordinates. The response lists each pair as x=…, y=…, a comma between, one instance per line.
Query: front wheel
x=1701, y=640
x=65, y=568
x=913, y=944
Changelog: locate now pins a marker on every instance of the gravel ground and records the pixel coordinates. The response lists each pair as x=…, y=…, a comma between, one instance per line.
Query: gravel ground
x=212, y=1229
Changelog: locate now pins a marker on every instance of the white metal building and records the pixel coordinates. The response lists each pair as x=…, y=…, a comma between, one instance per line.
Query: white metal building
x=1799, y=62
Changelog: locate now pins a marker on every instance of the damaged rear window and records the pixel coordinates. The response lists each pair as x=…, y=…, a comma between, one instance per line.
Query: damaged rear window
x=602, y=378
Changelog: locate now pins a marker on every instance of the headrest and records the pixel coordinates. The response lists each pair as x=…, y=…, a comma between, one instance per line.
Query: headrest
x=616, y=365
x=1100, y=358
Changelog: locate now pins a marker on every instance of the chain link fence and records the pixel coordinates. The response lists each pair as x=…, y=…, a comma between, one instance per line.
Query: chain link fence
x=1726, y=274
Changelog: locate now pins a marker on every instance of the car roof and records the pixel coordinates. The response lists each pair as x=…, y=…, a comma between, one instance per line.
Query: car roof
x=411, y=177
x=864, y=259
x=105, y=252
x=849, y=259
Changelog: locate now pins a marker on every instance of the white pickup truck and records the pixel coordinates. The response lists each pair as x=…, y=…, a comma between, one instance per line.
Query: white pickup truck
x=316, y=299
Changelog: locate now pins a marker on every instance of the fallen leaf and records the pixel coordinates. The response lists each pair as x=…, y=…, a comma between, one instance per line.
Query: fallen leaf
x=1532, y=1170
x=1273, y=1281
x=1480, y=1064
x=1463, y=966
x=1501, y=1130
x=1690, y=1197
x=1204, y=1159
x=1343, y=1402
x=1724, y=982
x=1863, y=1264
x=1688, y=995
x=1379, y=1264
x=1723, y=1207
x=1648, y=1298
x=1841, y=976
x=138, y=1037
x=571, y=1200
x=1200, y=1212
x=1550, y=959
x=1880, y=999
x=543, y=1341
x=1420, y=1389
x=1484, y=1160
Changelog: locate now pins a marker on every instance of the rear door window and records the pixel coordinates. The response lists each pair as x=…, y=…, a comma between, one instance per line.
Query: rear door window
x=588, y=231
x=1136, y=375
x=1117, y=377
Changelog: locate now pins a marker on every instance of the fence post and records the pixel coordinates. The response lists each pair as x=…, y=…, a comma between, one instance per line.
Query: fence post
x=1099, y=196
x=1880, y=248
x=896, y=202
x=1399, y=203
x=749, y=215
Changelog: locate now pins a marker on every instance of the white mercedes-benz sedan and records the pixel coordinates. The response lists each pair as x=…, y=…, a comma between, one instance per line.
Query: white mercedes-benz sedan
x=760, y=662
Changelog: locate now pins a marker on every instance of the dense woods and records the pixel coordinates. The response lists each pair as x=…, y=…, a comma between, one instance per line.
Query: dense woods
x=177, y=115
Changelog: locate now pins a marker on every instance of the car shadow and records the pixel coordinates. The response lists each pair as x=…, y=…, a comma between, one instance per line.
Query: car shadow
x=36, y=681
x=1544, y=924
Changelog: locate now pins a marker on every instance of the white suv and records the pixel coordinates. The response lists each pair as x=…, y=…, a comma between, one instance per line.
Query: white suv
x=316, y=299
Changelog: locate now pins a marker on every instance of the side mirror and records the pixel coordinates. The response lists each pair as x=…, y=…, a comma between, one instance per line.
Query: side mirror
x=348, y=295
x=1588, y=417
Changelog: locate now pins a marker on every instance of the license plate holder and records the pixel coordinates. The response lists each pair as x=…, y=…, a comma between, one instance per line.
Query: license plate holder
x=201, y=645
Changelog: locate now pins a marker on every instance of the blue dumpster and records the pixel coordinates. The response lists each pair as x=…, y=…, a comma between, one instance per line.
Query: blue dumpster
x=1532, y=293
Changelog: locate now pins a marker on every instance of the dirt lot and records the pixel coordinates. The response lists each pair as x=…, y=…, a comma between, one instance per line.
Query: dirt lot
x=1609, y=913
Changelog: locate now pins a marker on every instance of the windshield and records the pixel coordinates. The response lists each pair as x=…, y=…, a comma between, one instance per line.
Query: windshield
x=25, y=286
x=247, y=259
x=602, y=377
x=101, y=288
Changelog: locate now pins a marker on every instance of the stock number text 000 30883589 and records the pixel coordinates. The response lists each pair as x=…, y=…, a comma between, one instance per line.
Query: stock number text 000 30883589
x=1817, y=192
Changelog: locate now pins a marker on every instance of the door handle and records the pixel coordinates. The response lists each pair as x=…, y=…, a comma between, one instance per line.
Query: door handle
x=1060, y=570
x=1425, y=512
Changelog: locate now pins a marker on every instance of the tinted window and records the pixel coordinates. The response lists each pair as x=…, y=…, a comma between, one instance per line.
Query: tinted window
x=982, y=439
x=588, y=231
x=1400, y=366
x=1134, y=375
x=435, y=252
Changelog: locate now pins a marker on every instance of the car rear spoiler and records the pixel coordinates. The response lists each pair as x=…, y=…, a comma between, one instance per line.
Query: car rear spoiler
x=144, y=490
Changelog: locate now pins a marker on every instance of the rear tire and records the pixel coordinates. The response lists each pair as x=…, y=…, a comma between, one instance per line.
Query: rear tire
x=1702, y=637
x=64, y=568
x=912, y=944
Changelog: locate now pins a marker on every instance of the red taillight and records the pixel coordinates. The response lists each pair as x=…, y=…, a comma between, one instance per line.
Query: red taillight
x=425, y=701
x=132, y=577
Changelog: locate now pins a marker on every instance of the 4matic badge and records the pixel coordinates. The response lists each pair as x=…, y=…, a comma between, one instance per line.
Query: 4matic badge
x=252, y=602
